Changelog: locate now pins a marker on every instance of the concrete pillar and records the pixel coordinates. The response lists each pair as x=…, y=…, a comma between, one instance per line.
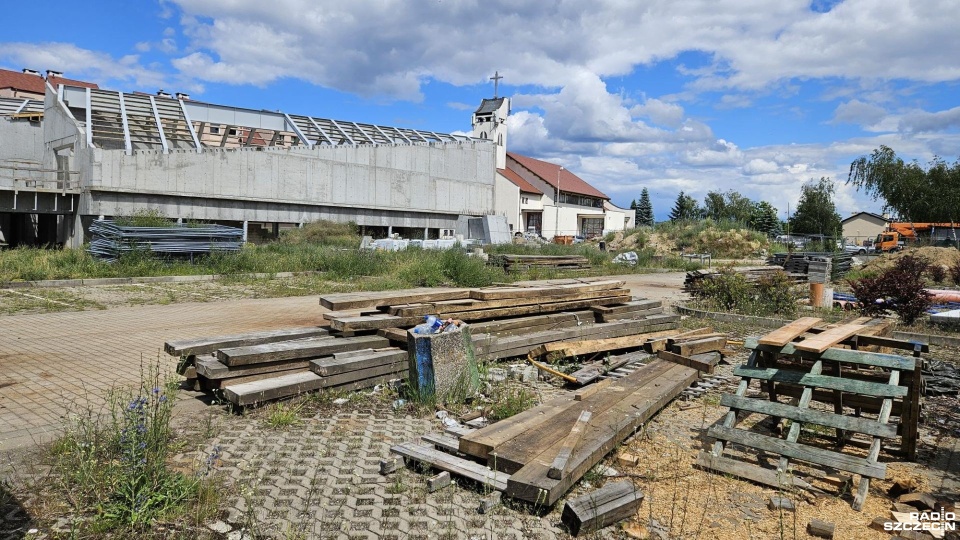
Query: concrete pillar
x=74, y=231
x=276, y=230
x=245, y=223
x=426, y=233
x=4, y=229
x=389, y=231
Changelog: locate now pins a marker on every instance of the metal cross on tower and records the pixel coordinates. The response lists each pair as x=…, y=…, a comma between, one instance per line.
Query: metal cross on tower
x=496, y=82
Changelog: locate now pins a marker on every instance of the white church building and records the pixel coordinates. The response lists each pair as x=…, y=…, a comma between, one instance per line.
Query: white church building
x=542, y=197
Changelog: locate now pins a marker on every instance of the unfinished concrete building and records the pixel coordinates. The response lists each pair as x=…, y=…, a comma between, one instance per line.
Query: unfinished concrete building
x=87, y=152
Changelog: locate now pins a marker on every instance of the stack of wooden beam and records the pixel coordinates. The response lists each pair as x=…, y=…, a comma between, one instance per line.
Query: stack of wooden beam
x=506, y=322
x=537, y=455
x=512, y=263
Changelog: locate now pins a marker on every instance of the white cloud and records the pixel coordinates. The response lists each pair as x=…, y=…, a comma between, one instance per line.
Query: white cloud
x=858, y=112
x=922, y=121
x=79, y=63
x=660, y=112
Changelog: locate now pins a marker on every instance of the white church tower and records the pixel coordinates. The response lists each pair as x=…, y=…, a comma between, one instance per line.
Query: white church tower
x=490, y=122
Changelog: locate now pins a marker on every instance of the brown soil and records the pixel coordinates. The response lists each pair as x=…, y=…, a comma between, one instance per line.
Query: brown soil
x=945, y=257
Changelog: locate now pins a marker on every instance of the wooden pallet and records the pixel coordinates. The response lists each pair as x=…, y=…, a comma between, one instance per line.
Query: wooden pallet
x=774, y=362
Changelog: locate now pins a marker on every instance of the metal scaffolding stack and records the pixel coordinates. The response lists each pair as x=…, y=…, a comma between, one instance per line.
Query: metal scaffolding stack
x=111, y=240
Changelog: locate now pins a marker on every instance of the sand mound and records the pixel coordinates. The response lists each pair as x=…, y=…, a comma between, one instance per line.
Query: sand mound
x=941, y=256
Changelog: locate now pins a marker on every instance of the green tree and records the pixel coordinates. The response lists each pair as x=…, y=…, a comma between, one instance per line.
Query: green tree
x=685, y=209
x=763, y=218
x=915, y=193
x=728, y=206
x=644, y=210
x=816, y=213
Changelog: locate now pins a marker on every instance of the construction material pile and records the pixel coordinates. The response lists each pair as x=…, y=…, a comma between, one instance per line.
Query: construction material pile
x=799, y=263
x=367, y=335
x=111, y=240
x=513, y=263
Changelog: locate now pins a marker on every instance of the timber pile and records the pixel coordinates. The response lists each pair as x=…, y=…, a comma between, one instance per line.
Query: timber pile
x=512, y=263
x=840, y=365
x=800, y=263
x=539, y=454
x=694, y=279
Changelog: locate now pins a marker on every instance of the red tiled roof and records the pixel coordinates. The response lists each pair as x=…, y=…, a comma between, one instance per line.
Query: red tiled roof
x=518, y=181
x=55, y=81
x=24, y=82
x=547, y=172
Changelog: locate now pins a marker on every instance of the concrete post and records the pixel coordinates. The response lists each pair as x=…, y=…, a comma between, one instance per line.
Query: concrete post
x=426, y=233
x=389, y=231
x=245, y=222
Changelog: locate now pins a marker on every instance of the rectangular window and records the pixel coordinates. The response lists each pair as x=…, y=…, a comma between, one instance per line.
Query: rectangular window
x=524, y=200
x=232, y=131
x=215, y=130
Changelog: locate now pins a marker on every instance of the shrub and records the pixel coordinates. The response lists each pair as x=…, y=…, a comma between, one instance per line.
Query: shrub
x=323, y=232
x=937, y=273
x=955, y=273
x=731, y=291
x=899, y=289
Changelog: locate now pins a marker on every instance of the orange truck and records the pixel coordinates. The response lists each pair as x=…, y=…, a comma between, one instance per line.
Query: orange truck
x=899, y=234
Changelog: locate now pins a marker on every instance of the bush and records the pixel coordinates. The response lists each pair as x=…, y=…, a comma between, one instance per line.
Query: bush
x=323, y=232
x=937, y=273
x=899, y=289
x=731, y=291
x=955, y=273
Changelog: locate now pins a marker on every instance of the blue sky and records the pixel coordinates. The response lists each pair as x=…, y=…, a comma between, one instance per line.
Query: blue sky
x=693, y=95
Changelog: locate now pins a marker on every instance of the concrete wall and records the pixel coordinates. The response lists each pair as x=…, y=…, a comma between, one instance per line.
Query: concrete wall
x=20, y=140
x=238, y=184
x=507, y=202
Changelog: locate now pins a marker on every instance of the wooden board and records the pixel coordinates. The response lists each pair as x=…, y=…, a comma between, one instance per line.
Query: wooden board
x=452, y=464
x=604, y=433
x=699, y=365
x=340, y=363
x=208, y=385
x=811, y=454
x=632, y=315
x=606, y=506
x=374, y=299
x=569, y=443
x=495, y=293
x=629, y=307
x=566, y=349
x=482, y=442
x=461, y=306
x=688, y=348
x=208, y=345
x=829, y=338
x=748, y=471
x=822, y=381
x=212, y=369
x=786, y=334
x=833, y=420
x=441, y=441
x=367, y=373
x=294, y=350
x=273, y=388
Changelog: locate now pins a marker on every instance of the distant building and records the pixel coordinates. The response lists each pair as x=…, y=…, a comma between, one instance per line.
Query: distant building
x=863, y=226
x=31, y=84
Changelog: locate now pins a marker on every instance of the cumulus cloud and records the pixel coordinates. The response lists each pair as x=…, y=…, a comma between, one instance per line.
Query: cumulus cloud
x=858, y=112
x=922, y=121
x=79, y=63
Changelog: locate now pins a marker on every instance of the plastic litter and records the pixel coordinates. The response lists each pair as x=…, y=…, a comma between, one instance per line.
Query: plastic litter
x=399, y=403
x=629, y=257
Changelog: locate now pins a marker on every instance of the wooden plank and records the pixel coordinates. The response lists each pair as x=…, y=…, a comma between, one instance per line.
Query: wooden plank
x=295, y=350
x=607, y=430
x=374, y=299
x=461, y=306
x=273, y=388
x=606, y=506
x=811, y=454
x=569, y=443
x=695, y=332
x=547, y=369
x=339, y=364
x=590, y=390
x=874, y=452
x=368, y=373
x=677, y=339
x=786, y=334
x=628, y=307
x=748, y=471
x=207, y=345
x=216, y=384
x=548, y=321
x=879, y=341
x=212, y=369
x=829, y=338
x=394, y=334
x=495, y=293
x=833, y=420
x=730, y=420
x=888, y=361
x=703, y=367
x=453, y=464
x=822, y=381
x=482, y=442
x=866, y=404
x=629, y=315
x=688, y=348
x=442, y=441
x=803, y=403
x=636, y=338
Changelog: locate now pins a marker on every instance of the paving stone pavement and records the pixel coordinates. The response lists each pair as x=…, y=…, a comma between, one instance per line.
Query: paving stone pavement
x=54, y=361
x=321, y=479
